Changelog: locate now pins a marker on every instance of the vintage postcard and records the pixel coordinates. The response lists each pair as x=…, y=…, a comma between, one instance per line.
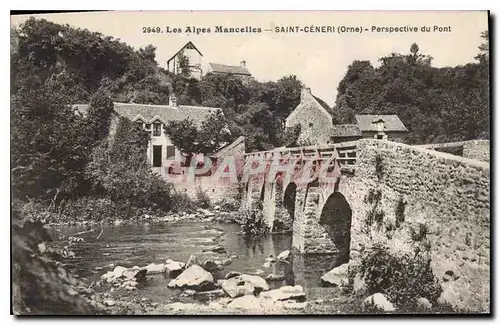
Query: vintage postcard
x=250, y=163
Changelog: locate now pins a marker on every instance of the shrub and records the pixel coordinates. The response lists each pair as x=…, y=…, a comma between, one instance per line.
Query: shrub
x=253, y=223
x=403, y=277
x=202, y=199
x=282, y=222
x=229, y=205
x=40, y=285
x=182, y=203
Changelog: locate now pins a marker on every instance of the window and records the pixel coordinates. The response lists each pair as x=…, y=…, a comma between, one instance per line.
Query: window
x=380, y=137
x=156, y=129
x=139, y=124
x=170, y=152
x=148, y=126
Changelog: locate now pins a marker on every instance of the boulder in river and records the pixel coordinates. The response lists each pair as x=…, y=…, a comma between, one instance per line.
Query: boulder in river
x=111, y=276
x=270, y=259
x=286, y=293
x=232, y=274
x=174, y=268
x=243, y=285
x=226, y=262
x=154, y=268
x=246, y=302
x=211, y=266
x=336, y=277
x=378, y=301
x=194, y=277
x=284, y=255
x=219, y=249
x=275, y=277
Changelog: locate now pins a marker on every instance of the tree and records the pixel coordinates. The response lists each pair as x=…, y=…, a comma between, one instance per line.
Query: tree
x=436, y=105
x=212, y=134
x=184, y=64
x=484, y=48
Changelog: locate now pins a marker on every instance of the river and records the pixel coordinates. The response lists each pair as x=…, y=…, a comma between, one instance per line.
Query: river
x=141, y=244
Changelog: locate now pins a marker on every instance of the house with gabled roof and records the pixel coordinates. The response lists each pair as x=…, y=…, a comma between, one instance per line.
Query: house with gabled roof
x=384, y=127
x=317, y=127
x=314, y=117
x=236, y=70
x=153, y=119
x=194, y=57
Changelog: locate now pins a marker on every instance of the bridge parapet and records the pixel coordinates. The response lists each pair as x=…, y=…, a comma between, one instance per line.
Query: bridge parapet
x=345, y=151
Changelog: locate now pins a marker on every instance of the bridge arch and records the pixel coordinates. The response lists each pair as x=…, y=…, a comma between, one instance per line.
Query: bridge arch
x=285, y=208
x=336, y=218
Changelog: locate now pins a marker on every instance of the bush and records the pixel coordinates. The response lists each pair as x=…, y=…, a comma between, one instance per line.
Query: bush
x=229, y=205
x=282, y=222
x=202, y=199
x=403, y=277
x=182, y=203
x=253, y=223
x=98, y=209
x=40, y=285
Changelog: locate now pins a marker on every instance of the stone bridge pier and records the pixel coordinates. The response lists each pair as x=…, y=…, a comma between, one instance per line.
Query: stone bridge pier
x=316, y=212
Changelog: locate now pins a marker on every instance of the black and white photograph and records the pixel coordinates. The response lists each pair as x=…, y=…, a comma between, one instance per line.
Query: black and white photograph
x=250, y=163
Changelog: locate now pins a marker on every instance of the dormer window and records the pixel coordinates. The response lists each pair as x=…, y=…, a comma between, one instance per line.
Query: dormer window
x=148, y=126
x=156, y=129
x=379, y=125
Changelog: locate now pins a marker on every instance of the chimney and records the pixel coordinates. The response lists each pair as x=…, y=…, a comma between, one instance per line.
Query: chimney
x=304, y=92
x=172, y=100
x=243, y=64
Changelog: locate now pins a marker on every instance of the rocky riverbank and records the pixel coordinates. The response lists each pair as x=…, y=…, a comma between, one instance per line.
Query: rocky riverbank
x=200, y=215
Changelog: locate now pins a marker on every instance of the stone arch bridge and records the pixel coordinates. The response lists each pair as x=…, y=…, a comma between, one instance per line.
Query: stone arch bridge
x=356, y=194
x=299, y=189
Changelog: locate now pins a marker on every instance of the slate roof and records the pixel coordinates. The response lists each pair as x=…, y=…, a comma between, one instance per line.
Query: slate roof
x=323, y=104
x=345, y=130
x=391, y=123
x=230, y=146
x=164, y=113
x=232, y=69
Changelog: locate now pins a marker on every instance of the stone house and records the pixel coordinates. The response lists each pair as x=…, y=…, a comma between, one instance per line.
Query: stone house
x=314, y=118
x=161, y=151
x=386, y=127
x=224, y=69
x=153, y=118
x=240, y=71
x=194, y=57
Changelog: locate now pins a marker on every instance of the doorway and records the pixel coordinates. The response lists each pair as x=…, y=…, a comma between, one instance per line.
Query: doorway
x=156, y=156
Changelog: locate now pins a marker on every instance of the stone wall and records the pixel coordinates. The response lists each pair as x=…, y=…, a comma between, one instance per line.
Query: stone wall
x=448, y=195
x=477, y=149
x=472, y=149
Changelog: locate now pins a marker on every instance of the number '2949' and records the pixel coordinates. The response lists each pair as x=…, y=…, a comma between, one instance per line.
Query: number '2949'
x=147, y=30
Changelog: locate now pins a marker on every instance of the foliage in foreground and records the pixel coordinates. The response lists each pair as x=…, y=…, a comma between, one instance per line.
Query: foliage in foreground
x=41, y=286
x=403, y=277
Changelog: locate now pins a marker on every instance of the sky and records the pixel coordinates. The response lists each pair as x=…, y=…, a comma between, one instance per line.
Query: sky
x=320, y=60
